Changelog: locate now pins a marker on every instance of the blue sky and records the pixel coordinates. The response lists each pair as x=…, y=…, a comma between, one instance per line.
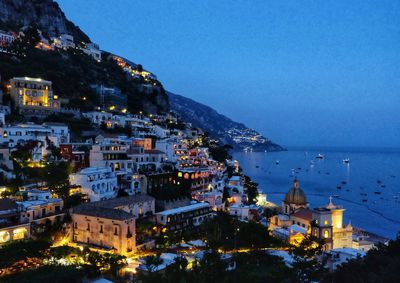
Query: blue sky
x=319, y=73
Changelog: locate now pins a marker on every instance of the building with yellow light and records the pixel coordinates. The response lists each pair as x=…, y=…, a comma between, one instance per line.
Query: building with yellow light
x=104, y=228
x=297, y=221
x=33, y=95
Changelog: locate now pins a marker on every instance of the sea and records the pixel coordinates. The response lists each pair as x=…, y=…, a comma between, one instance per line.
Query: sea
x=368, y=187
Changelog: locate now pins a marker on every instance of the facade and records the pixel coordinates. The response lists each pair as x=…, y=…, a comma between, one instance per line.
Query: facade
x=328, y=225
x=104, y=228
x=97, y=183
x=33, y=95
x=184, y=217
x=214, y=198
x=11, y=228
x=55, y=132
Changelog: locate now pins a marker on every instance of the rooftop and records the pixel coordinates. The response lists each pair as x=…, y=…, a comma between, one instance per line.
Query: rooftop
x=182, y=209
x=303, y=213
x=102, y=212
x=122, y=201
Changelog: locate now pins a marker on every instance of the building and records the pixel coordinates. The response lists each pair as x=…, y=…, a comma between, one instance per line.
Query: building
x=55, y=133
x=77, y=154
x=11, y=228
x=104, y=228
x=328, y=225
x=93, y=50
x=184, y=217
x=138, y=205
x=33, y=96
x=214, y=198
x=294, y=199
x=323, y=222
x=64, y=41
x=342, y=255
x=40, y=208
x=6, y=39
x=97, y=183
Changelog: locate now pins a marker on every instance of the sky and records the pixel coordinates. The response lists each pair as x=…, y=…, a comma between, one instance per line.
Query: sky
x=303, y=73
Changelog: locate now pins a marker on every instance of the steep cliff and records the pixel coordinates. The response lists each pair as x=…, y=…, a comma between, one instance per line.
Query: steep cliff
x=46, y=15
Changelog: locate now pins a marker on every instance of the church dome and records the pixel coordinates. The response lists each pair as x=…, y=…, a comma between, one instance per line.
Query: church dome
x=296, y=195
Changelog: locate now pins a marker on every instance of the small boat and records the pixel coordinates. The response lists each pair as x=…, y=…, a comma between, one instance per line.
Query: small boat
x=320, y=156
x=339, y=187
x=378, y=181
x=377, y=193
x=344, y=182
x=311, y=162
x=348, y=190
x=383, y=186
x=364, y=200
x=335, y=196
x=277, y=162
x=346, y=161
x=257, y=166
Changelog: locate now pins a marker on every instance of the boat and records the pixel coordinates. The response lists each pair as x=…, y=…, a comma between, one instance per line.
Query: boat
x=344, y=182
x=257, y=166
x=339, y=187
x=383, y=186
x=276, y=162
x=377, y=193
x=364, y=200
x=320, y=156
x=346, y=161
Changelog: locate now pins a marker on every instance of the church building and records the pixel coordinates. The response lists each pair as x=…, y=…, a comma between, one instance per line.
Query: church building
x=297, y=220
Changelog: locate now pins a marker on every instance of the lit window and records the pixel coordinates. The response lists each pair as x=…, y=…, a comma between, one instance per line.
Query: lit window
x=326, y=234
x=326, y=222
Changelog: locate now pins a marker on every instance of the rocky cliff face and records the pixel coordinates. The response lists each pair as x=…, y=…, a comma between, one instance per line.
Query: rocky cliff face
x=45, y=14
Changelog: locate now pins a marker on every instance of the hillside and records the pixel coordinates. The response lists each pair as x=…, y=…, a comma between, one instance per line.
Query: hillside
x=219, y=126
x=79, y=80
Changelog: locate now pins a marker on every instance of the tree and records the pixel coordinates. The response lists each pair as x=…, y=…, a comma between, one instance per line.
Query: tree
x=381, y=264
x=309, y=264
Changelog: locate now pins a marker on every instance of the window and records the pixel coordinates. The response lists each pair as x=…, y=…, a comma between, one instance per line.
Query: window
x=326, y=234
x=326, y=222
x=101, y=228
x=88, y=227
x=116, y=231
x=76, y=225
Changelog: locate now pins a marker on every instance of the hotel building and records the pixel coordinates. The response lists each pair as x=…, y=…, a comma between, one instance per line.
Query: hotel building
x=33, y=96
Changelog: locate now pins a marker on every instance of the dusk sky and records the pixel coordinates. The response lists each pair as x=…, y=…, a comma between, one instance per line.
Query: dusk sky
x=319, y=73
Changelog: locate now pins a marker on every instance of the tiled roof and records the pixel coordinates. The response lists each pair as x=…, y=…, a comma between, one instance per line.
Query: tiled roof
x=102, y=212
x=303, y=213
x=122, y=201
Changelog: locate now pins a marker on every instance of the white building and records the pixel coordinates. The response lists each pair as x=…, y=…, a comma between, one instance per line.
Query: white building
x=93, y=50
x=96, y=183
x=64, y=41
x=184, y=217
x=14, y=134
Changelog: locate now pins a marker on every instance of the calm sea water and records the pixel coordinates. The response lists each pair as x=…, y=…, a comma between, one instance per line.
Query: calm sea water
x=370, y=190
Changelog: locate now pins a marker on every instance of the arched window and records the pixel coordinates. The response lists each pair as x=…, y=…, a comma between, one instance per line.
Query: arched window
x=326, y=234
